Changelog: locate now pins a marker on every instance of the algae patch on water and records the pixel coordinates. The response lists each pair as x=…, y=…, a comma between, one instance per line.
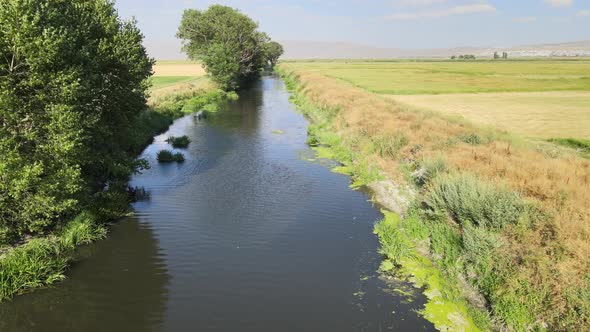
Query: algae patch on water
x=445, y=311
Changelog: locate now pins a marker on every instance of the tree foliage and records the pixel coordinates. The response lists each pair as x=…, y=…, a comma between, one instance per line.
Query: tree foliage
x=272, y=53
x=228, y=44
x=73, y=78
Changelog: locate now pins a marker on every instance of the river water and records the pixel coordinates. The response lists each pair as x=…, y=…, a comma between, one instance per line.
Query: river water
x=249, y=234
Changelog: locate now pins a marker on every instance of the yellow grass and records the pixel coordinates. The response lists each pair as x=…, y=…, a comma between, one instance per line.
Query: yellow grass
x=178, y=68
x=535, y=114
x=551, y=257
x=536, y=98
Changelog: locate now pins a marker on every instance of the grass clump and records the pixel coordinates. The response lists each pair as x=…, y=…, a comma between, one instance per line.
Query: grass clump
x=43, y=261
x=390, y=145
x=181, y=142
x=428, y=169
x=469, y=200
x=167, y=156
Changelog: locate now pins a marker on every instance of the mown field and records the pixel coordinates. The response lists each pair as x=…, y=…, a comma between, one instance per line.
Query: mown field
x=536, y=98
x=170, y=73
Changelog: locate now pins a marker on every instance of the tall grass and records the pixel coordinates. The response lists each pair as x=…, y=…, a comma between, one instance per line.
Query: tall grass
x=506, y=225
x=44, y=261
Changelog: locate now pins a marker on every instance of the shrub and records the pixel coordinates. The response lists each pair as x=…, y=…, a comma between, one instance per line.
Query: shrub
x=179, y=142
x=473, y=139
x=166, y=156
x=428, y=170
x=469, y=200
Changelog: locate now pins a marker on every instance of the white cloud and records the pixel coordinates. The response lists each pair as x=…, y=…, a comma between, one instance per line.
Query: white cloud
x=583, y=13
x=559, y=3
x=475, y=8
x=526, y=19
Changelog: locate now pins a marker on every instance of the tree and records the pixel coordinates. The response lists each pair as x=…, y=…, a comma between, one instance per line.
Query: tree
x=496, y=56
x=505, y=55
x=272, y=53
x=227, y=42
x=73, y=78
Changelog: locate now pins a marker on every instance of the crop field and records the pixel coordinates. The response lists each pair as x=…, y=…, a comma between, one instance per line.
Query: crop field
x=171, y=73
x=536, y=98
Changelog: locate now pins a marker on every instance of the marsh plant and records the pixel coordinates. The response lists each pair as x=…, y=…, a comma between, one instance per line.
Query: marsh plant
x=167, y=156
x=181, y=142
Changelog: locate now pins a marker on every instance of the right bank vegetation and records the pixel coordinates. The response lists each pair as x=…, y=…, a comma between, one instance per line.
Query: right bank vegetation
x=496, y=229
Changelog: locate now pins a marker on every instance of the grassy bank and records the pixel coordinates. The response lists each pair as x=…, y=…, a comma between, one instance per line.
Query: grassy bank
x=40, y=262
x=495, y=228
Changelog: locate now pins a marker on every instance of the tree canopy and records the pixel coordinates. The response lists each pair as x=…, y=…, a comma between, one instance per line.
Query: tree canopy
x=73, y=78
x=228, y=44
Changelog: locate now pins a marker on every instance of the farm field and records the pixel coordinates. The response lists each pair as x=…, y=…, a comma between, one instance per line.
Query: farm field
x=536, y=98
x=171, y=73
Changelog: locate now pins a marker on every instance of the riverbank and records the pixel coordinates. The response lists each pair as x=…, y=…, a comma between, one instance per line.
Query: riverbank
x=494, y=227
x=39, y=262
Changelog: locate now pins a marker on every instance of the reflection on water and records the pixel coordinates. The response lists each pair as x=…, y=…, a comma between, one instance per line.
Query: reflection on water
x=125, y=281
x=246, y=235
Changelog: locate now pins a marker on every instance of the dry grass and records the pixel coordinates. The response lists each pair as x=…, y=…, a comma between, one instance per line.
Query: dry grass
x=552, y=255
x=178, y=68
x=535, y=114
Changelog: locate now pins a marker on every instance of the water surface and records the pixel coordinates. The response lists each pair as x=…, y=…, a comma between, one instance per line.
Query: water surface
x=246, y=235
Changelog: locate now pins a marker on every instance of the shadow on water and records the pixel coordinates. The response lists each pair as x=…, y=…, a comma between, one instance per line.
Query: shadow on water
x=125, y=281
x=246, y=235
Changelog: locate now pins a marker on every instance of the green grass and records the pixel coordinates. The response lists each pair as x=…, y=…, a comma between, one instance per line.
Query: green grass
x=44, y=261
x=441, y=77
x=582, y=146
x=159, y=82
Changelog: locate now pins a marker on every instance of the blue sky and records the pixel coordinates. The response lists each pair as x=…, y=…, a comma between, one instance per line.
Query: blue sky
x=384, y=23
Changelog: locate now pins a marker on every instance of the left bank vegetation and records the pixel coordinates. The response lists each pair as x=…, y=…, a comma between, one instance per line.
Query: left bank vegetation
x=74, y=116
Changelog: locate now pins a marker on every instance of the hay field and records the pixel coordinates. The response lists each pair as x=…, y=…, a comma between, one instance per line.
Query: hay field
x=171, y=73
x=535, y=114
x=535, y=98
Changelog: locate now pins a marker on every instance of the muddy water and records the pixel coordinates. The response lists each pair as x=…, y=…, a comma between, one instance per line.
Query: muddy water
x=247, y=235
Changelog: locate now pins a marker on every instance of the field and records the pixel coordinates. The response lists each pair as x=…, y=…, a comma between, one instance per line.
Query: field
x=171, y=73
x=541, y=99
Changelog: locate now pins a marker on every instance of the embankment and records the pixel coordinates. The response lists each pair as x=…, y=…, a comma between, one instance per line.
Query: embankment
x=39, y=262
x=495, y=228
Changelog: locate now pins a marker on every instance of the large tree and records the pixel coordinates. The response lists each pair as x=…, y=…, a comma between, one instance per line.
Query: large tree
x=272, y=53
x=73, y=77
x=227, y=42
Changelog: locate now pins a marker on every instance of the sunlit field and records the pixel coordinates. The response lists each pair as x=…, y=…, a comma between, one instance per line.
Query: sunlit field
x=536, y=98
x=171, y=73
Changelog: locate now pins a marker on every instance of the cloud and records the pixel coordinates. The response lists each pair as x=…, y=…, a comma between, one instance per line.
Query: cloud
x=417, y=3
x=526, y=19
x=475, y=8
x=559, y=3
x=583, y=13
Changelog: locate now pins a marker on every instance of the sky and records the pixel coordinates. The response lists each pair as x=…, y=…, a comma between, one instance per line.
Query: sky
x=408, y=24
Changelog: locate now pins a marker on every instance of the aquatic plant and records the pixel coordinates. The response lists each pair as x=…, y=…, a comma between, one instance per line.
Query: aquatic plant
x=167, y=156
x=179, y=142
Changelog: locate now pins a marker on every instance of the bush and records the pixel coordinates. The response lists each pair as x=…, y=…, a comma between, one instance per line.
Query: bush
x=469, y=200
x=428, y=170
x=473, y=139
x=166, y=156
x=179, y=142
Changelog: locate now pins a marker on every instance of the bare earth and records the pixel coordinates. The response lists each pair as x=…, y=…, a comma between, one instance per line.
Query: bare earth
x=534, y=114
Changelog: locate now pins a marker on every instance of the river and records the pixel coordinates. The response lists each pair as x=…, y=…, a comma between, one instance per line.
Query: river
x=249, y=234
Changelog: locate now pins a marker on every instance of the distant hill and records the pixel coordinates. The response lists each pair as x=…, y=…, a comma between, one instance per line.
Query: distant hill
x=342, y=50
